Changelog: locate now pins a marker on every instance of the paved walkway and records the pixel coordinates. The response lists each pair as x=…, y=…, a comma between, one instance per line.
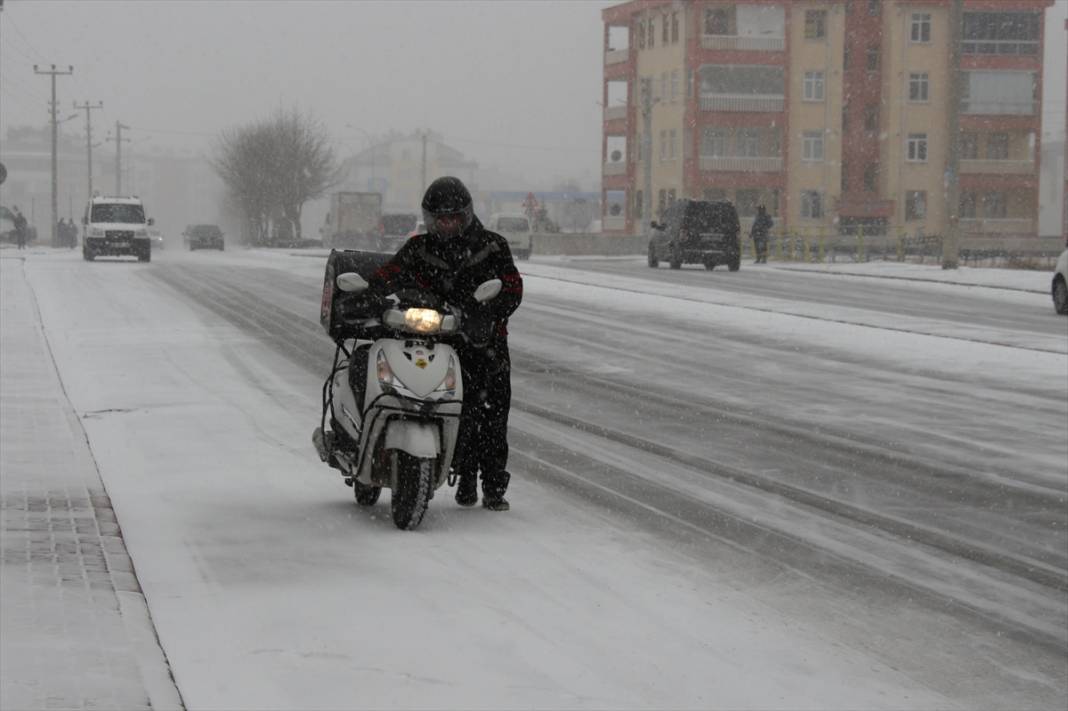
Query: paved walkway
x=75, y=632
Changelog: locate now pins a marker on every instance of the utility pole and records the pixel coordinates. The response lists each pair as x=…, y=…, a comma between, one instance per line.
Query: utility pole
x=423, y=192
x=951, y=240
x=647, y=153
x=55, y=147
x=89, y=136
x=118, y=155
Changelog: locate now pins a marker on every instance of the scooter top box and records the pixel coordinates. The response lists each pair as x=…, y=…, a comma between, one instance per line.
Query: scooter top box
x=335, y=301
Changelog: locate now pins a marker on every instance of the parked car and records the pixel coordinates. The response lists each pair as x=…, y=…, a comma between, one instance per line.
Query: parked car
x=204, y=237
x=515, y=228
x=1059, y=287
x=697, y=231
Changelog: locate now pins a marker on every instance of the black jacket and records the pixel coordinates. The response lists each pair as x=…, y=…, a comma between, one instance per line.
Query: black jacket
x=452, y=268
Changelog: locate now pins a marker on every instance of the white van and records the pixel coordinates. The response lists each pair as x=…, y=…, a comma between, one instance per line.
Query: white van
x=116, y=227
x=514, y=227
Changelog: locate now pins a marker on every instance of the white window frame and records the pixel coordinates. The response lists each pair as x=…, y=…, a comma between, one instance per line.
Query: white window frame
x=812, y=146
x=915, y=145
x=923, y=85
x=814, y=87
x=820, y=24
x=918, y=22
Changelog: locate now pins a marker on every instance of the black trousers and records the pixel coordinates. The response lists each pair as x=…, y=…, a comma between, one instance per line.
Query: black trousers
x=483, y=439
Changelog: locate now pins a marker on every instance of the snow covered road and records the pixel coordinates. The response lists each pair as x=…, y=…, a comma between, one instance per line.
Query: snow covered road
x=688, y=529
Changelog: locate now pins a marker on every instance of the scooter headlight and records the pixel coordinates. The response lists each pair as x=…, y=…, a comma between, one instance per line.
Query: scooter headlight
x=423, y=320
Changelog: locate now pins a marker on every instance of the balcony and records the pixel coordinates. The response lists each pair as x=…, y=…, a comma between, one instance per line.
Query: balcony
x=998, y=108
x=743, y=102
x=745, y=164
x=997, y=167
x=611, y=113
x=1000, y=47
x=617, y=168
x=748, y=42
x=616, y=56
x=613, y=224
x=997, y=225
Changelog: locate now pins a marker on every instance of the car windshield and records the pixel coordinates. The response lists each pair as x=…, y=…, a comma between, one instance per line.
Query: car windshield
x=513, y=224
x=398, y=224
x=118, y=212
x=207, y=231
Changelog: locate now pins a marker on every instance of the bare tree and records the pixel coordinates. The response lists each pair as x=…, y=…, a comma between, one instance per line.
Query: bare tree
x=272, y=167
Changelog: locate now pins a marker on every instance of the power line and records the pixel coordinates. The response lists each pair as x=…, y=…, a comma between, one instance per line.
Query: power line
x=11, y=22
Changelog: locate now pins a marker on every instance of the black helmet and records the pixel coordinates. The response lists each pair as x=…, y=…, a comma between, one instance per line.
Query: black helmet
x=444, y=198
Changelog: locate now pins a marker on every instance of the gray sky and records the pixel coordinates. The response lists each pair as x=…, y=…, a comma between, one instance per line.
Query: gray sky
x=512, y=84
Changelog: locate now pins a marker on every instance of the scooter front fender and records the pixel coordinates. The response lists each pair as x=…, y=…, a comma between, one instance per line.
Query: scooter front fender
x=419, y=439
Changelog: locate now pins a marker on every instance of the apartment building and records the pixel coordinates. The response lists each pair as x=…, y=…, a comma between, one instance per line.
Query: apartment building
x=832, y=113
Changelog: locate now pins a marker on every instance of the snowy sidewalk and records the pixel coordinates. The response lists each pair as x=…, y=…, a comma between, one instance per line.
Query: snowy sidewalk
x=74, y=628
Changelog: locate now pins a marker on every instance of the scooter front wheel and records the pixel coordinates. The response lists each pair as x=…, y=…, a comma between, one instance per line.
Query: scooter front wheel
x=414, y=477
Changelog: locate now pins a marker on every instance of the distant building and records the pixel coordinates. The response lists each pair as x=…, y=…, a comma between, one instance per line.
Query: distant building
x=830, y=113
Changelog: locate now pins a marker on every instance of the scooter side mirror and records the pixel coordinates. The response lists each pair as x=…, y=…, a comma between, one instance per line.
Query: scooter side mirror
x=351, y=282
x=488, y=290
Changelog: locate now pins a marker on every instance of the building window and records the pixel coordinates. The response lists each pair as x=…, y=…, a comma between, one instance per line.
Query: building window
x=652, y=32
x=995, y=206
x=746, y=201
x=917, y=148
x=714, y=142
x=920, y=28
x=997, y=146
x=846, y=56
x=815, y=24
x=664, y=86
x=813, y=90
x=639, y=203
x=915, y=204
x=663, y=145
x=661, y=202
x=811, y=204
x=871, y=118
x=717, y=22
x=967, y=206
x=845, y=117
x=969, y=146
x=812, y=146
x=671, y=197
x=872, y=56
x=749, y=143
x=675, y=85
x=871, y=178
x=874, y=7
x=641, y=34
x=918, y=87
x=673, y=145
x=1001, y=33
x=667, y=30
x=674, y=27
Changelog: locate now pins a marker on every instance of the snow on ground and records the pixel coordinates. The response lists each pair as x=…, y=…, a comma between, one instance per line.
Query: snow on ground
x=270, y=589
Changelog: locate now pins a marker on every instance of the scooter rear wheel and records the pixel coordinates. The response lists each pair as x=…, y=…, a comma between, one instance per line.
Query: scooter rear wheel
x=414, y=484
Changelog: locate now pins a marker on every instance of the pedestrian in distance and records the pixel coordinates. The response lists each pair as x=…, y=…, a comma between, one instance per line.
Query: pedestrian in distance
x=453, y=257
x=759, y=234
x=21, y=228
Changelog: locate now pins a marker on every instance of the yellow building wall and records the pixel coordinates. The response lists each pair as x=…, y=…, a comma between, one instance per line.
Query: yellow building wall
x=807, y=55
x=901, y=58
x=668, y=112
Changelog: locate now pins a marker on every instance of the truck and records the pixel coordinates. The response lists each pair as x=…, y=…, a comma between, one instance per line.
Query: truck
x=354, y=221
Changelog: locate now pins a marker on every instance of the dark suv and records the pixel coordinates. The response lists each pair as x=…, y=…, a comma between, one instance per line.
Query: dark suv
x=204, y=237
x=697, y=231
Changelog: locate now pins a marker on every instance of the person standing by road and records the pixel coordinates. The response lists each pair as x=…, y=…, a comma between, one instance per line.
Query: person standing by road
x=21, y=228
x=759, y=233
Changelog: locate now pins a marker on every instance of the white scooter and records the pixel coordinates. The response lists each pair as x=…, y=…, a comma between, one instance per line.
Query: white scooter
x=394, y=400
